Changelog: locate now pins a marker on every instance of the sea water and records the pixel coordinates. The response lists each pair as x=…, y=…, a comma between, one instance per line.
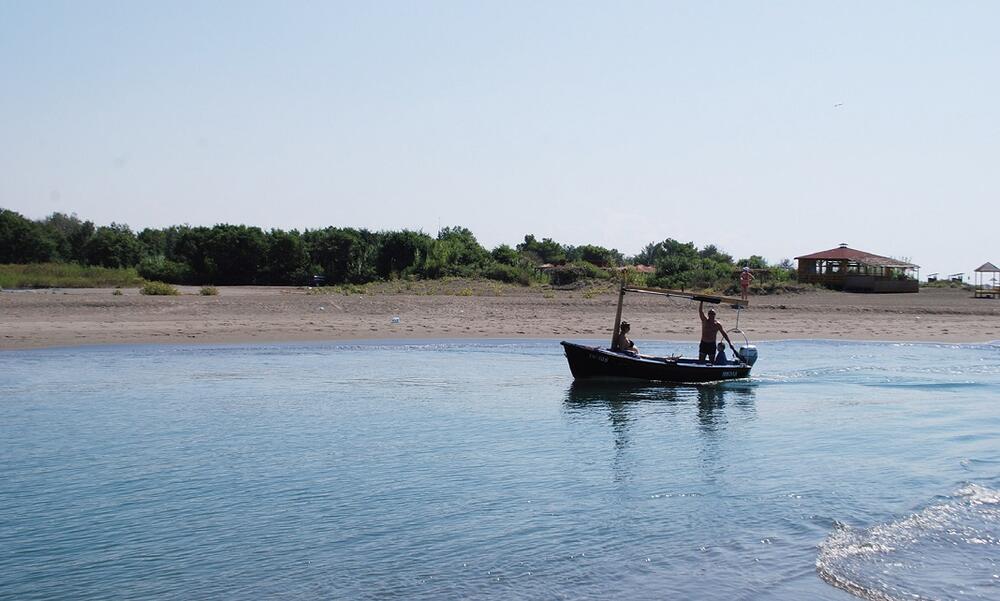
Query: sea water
x=470, y=470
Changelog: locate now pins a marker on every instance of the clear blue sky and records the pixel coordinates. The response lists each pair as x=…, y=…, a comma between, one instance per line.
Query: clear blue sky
x=777, y=128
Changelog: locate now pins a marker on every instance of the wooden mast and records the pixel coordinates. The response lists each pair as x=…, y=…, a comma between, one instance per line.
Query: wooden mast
x=618, y=317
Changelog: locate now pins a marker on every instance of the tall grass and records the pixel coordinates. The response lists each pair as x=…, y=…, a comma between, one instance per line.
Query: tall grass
x=66, y=275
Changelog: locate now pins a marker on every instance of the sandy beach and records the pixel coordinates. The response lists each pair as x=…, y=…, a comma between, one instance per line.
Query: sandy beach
x=70, y=317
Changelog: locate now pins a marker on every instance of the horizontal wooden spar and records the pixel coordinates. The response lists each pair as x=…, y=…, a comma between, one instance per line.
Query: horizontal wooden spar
x=707, y=298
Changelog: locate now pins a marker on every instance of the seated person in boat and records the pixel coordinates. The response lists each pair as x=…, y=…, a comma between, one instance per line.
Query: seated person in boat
x=710, y=329
x=720, y=355
x=622, y=343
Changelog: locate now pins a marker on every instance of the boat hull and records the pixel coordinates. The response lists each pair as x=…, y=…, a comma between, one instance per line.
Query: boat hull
x=587, y=362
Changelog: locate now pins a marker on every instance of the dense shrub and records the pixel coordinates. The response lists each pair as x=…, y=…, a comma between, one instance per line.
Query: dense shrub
x=569, y=274
x=545, y=251
x=113, y=246
x=342, y=255
x=595, y=255
x=401, y=252
x=161, y=269
x=69, y=235
x=508, y=274
x=506, y=255
x=236, y=254
x=286, y=260
x=22, y=240
x=158, y=289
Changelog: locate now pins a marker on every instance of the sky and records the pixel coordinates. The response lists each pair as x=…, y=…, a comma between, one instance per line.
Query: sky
x=774, y=128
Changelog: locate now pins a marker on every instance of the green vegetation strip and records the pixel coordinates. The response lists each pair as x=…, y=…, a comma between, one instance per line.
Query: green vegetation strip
x=55, y=249
x=66, y=275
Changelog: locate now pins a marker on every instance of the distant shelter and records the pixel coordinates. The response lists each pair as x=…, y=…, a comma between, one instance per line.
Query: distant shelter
x=852, y=270
x=987, y=288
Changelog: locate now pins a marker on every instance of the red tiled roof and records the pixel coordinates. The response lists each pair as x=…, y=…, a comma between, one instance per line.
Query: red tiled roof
x=843, y=253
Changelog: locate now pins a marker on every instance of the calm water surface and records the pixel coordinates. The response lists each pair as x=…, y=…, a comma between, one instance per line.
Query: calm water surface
x=480, y=470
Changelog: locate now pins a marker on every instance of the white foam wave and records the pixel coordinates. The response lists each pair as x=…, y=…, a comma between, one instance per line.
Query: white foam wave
x=948, y=549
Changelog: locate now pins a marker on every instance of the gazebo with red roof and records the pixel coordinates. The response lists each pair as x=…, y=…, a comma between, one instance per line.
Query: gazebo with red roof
x=845, y=268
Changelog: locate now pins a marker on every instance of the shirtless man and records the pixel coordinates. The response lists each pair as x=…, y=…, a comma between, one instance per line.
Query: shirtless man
x=709, y=330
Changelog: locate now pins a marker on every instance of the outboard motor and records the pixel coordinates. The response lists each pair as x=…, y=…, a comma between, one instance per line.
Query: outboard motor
x=748, y=354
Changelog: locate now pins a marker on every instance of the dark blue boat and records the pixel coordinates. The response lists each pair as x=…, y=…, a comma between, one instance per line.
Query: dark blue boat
x=596, y=362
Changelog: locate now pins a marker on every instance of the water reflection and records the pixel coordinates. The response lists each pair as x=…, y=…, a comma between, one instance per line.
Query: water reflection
x=624, y=402
x=621, y=399
x=712, y=401
x=710, y=397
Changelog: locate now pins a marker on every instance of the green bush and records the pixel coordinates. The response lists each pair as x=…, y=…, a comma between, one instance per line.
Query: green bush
x=158, y=289
x=161, y=269
x=569, y=274
x=508, y=273
x=209, y=291
x=632, y=277
x=345, y=289
x=592, y=271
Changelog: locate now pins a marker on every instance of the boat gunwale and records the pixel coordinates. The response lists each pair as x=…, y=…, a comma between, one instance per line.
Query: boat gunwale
x=685, y=361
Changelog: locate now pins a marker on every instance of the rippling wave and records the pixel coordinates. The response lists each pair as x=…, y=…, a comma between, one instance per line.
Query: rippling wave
x=919, y=556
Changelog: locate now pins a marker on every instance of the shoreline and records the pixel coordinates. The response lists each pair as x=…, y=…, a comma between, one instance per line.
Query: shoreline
x=467, y=310
x=97, y=346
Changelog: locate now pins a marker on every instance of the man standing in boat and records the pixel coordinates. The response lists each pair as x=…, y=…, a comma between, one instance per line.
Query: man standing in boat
x=710, y=329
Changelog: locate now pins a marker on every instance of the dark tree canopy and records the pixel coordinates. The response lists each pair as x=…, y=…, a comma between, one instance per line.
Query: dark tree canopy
x=546, y=251
x=113, y=246
x=22, y=240
x=240, y=254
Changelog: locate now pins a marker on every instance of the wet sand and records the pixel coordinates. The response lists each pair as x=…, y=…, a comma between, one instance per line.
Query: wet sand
x=460, y=309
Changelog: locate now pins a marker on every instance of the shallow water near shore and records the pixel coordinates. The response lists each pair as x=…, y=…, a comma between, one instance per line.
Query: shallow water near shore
x=470, y=469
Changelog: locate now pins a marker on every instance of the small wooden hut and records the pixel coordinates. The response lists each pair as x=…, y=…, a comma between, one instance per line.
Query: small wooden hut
x=852, y=270
x=987, y=288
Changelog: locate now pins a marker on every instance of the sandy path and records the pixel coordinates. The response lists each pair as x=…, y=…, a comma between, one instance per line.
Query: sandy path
x=32, y=319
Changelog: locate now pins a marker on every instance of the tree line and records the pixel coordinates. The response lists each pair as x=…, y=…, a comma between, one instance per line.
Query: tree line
x=227, y=254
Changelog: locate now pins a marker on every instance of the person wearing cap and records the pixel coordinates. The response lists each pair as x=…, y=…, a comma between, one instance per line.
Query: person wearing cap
x=622, y=343
x=710, y=329
x=745, y=278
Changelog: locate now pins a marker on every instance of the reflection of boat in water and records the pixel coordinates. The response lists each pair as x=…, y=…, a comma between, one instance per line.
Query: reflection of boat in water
x=622, y=397
x=583, y=393
x=596, y=362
